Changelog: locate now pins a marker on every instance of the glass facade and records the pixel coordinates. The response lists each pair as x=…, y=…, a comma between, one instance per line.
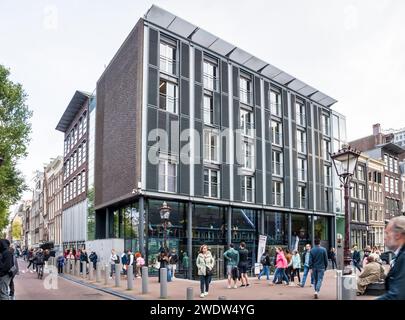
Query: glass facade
x=300, y=231
x=276, y=228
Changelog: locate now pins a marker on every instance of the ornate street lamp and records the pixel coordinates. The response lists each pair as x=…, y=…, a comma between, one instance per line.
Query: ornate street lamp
x=345, y=162
x=165, y=215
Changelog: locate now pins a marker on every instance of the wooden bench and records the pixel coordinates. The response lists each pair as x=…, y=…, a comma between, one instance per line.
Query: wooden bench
x=375, y=289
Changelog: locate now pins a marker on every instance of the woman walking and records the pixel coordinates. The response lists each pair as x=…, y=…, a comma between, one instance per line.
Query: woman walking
x=205, y=264
x=281, y=265
x=296, y=265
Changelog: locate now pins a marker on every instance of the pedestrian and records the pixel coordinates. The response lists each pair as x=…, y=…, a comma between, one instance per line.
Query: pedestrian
x=185, y=261
x=60, y=261
x=114, y=259
x=93, y=258
x=318, y=262
x=72, y=258
x=6, y=263
x=281, y=266
x=163, y=260
x=372, y=272
x=394, y=240
x=31, y=260
x=173, y=259
x=83, y=258
x=333, y=258
x=139, y=263
x=265, y=261
x=205, y=264
x=305, y=260
x=243, y=264
x=296, y=267
x=232, y=260
x=124, y=262
x=130, y=261
x=289, y=269
x=356, y=258
x=367, y=252
x=13, y=272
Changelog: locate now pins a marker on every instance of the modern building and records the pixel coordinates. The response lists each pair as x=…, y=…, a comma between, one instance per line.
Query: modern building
x=380, y=146
x=74, y=124
x=399, y=136
x=235, y=146
x=53, y=210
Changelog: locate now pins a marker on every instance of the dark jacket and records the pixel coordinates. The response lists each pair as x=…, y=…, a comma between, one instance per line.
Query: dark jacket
x=356, y=256
x=303, y=257
x=243, y=256
x=395, y=280
x=318, y=258
x=6, y=258
x=266, y=259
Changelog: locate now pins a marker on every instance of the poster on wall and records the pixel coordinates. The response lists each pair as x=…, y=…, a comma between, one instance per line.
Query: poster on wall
x=261, y=247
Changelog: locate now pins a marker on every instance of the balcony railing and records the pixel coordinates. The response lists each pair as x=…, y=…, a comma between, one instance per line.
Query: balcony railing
x=245, y=96
x=167, y=103
x=275, y=108
x=247, y=128
x=302, y=146
x=301, y=119
x=277, y=199
x=277, y=138
x=168, y=65
x=302, y=175
x=210, y=82
x=208, y=115
x=277, y=168
x=302, y=202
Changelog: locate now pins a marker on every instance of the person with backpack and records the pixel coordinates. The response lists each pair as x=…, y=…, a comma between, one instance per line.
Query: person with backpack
x=6, y=263
x=83, y=258
x=163, y=260
x=173, y=259
x=265, y=261
x=60, y=262
x=114, y=259
x=130, y=260
x=124, y=261
x=93, y=258
x=232, y=257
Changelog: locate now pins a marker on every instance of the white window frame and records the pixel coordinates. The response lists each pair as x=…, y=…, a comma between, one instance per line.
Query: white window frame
x=210, y=75
x=302, y=172
x=208, y=110
x=165, y=175
x=248, y=152
x=210, y=185
x=211, y=153
x=167, y=64
x=275, y=193
x=275, y=164
x=302, y=201
x=300, y=113
x=275, y=102
x=245, y=188
x=171, y=103
x=246, y=126
x=274, y=135
x=245, y=89
x=301, y=141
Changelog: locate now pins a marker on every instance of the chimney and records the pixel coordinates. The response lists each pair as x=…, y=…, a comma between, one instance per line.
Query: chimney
x=376, y=129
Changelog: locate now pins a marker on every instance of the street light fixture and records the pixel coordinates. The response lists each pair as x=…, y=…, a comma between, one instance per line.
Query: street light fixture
x=345, y=162
x=165, y=215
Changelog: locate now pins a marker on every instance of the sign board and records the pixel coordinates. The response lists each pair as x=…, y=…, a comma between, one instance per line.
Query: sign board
x=261, y=247
x=258, y=266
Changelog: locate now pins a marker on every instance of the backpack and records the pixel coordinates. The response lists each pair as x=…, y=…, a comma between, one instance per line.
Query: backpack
x=141, y=261
x=14, y=269
x=124, y=259
x=263, y=260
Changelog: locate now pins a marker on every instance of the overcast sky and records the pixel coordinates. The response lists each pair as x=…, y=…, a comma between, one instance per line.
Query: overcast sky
x=351, y=50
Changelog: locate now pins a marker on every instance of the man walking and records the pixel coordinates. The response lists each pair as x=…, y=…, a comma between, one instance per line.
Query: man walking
x=265, y=261
x=356, y=258
x=232, y=258
x=6, y=262
x=243, y=264
x=305, y=260
x=394, y=240
x=318, y=262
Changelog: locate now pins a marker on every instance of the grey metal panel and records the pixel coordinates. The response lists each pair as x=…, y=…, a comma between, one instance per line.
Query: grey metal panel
x=198, y=65
x=271, y=71
x=308, y=112
x=287, y=172
x=181, y=27
x=257, y=92
x=198, y=98
x=236, y=116
x=217, y=108
x=266, y=95
x=318, y=96
x=269, y=186
x=152, y=122
x=310, y=184
x=222, y=47
x=198, y=167
x=240, y=56
x=203, y=38
x=269, y=156
x=296, y=85
x=153, y=87
x=152, y=170
x=184, y=173
x=255, y=63
x=258, y=122
x=315, y=124
x=159, y=16
x=316, y=150
x=235, y=81
x=286, y=133
x=237, y=185
x=295, y=178
x=174, y=133
x=225, y=152
x=283, y=78
x=259, y=187
x=225, y=111
x=307, y=90
x=225, y=183
x=259, y=164
x=185, y=97
x=153, y=47
x=293, y=110
x=267, y=130
x=294, y=134
x=327, y=101
x=185, y=60
x=224, y=76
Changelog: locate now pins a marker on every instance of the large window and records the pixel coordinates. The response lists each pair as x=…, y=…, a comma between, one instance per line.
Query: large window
x=302, y=169
x=362, y=212
x=211, y=146
x=277, y=133
x=167, y=176
x=362, y=195
x=168, y=56
x=387, y=184
x=301, y=141
x=208, y=109
x=210, y=75
x=248, y=188
x=246, y=122
x=353, y=190
x=395, y=166
x=396, y=186
x=327, y=175
x=275, y=103
x=300, y=112
x=391, y=185
x=278, y=193
x=168, y=96
x=326, y=150
x=302, y=197
x=300, y=231
x=211, y=183
x=354, y=214
x=248, y=155
x=386, y=159
x=245, y=89
x=277, y=163
x=325, y=125
x=360, y=173
x=275, y=228
x=321, y=230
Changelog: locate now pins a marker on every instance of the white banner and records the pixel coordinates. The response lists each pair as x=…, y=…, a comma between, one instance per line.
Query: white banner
x=261, y=247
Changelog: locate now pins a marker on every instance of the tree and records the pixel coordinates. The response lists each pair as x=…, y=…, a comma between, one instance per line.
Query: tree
x=15, y=129
x=17, y=230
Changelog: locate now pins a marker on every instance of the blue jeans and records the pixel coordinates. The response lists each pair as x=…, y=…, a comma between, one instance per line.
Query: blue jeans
x=266, y=271
x=318, y=277
x=204, y=283
x=280, y=273
x=304, y=277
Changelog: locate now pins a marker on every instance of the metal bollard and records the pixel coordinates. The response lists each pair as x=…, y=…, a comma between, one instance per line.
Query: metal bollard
x=117, y=274
x=107, y=271
x=163, y=283
x=77, y=268
x=221, y=298
x=98, y=271
x=145, y=279
x=72, y=267
x=190, y=294
x=91, y=268
x=338, y=284
x=130, y=277
x=84, y=269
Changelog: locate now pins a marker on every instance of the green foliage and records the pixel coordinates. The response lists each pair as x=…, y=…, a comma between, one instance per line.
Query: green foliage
x=17, y=230
x=15, y=129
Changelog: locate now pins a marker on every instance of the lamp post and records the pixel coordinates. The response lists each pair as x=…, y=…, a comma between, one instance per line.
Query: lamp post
x=345, y=162
x=165, y=215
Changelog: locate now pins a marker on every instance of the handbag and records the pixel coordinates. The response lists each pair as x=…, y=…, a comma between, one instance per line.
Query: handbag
x=208, y=271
